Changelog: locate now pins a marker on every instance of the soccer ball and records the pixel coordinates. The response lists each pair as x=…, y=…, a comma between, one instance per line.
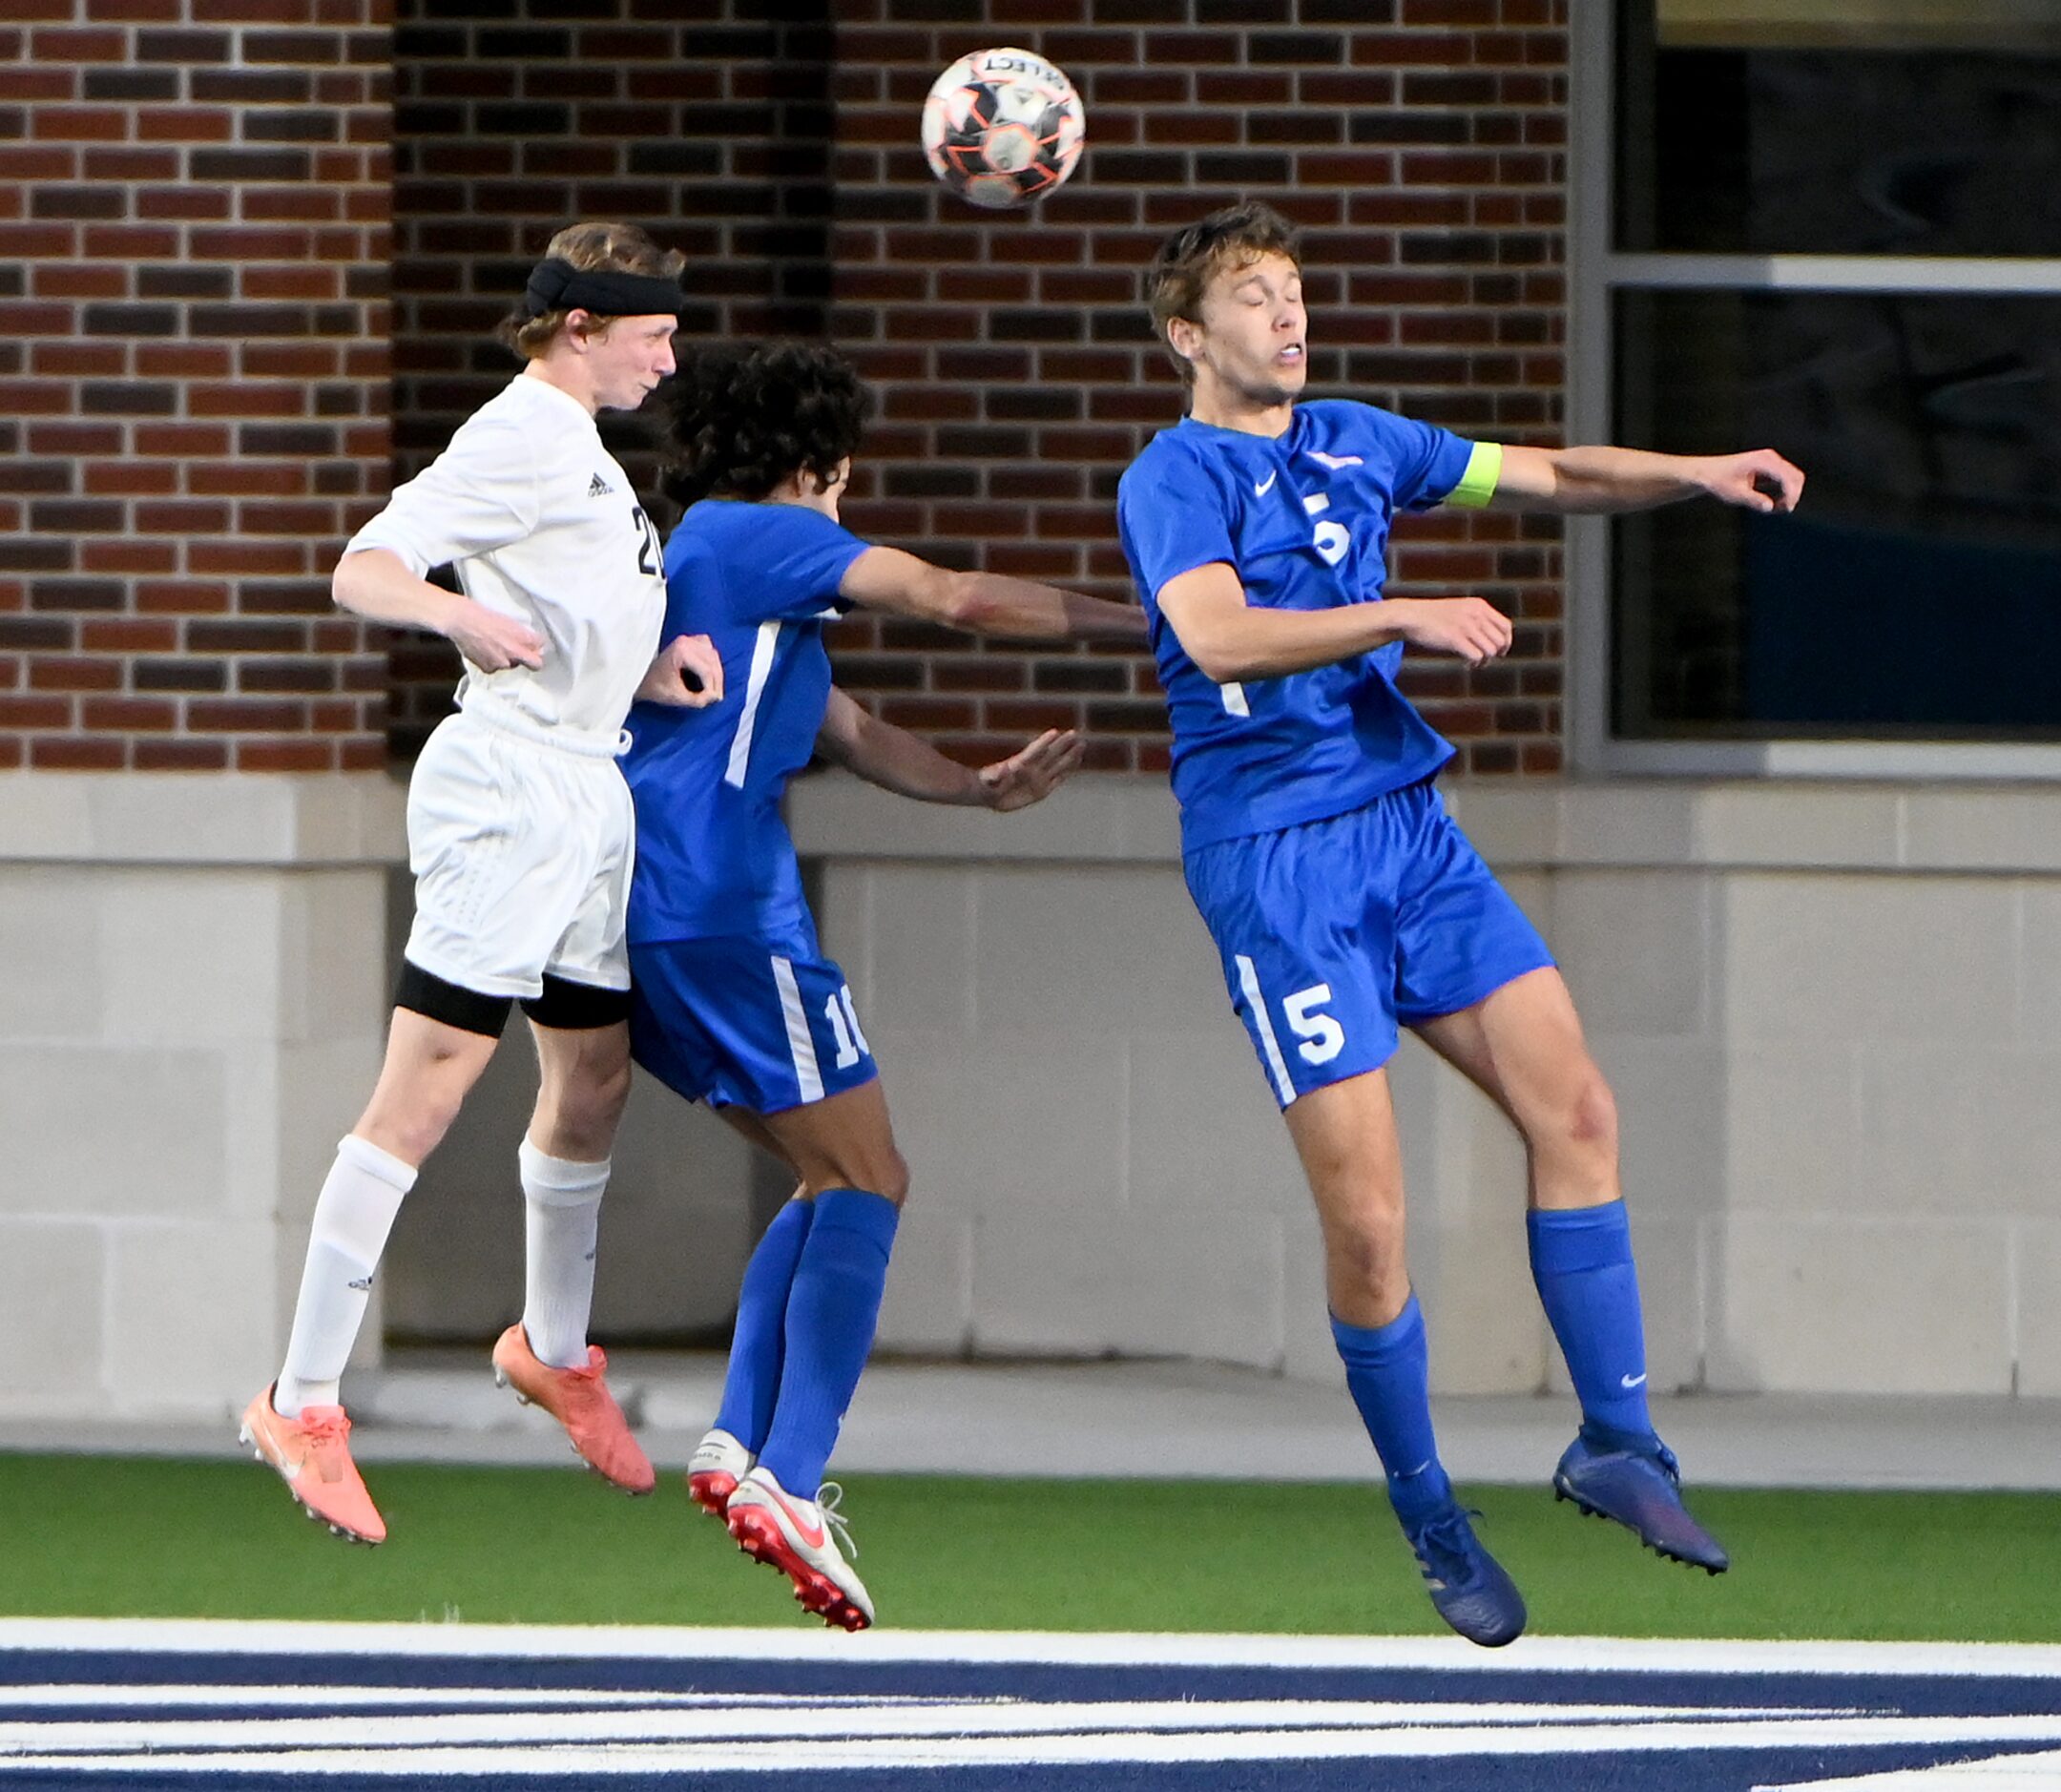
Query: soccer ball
x=1002, y=127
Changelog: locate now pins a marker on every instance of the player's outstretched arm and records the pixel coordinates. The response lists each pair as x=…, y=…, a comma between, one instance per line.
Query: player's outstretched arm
x=1616, y=479
x=986, y=603
x=896, y=760
x=377, y=584
x=1229, y=641
x=686, y=672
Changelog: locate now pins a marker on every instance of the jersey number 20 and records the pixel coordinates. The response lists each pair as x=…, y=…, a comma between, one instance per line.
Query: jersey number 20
x=647, y=552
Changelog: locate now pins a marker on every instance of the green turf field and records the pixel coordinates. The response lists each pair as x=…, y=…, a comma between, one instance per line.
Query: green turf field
x=98, y=1536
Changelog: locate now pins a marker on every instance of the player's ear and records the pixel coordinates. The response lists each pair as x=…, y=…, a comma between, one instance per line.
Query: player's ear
x=1184, y=337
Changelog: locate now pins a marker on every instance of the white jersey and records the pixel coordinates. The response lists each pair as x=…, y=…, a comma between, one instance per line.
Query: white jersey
x=540, y=522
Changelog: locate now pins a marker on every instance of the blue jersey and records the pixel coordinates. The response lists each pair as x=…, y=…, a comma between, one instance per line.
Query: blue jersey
x=713, y=853
x=1303, y=520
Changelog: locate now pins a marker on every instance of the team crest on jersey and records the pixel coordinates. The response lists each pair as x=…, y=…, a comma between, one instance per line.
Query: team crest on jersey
x=598, y=486
x=1334, y=461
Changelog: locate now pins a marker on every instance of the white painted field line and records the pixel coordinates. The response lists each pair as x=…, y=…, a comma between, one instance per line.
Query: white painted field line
x=1061, y=1648
x=847, y=1722
x=1998, y=1773
x=733, y=1757
x=310, y=1698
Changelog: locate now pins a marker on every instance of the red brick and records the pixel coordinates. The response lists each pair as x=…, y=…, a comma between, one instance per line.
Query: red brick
x=81, y=753
x=128, y=556
x=179, y=755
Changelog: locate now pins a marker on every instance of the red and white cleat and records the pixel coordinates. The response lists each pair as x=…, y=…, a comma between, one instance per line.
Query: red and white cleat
x=719, y=1462
x=312, y=1454
x=801, y=1538
x=580, y=1400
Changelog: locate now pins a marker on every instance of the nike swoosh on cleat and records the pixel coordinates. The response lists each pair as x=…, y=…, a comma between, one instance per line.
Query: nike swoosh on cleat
x=1629, y=1381
x=811, y=1535
x=1260, y=492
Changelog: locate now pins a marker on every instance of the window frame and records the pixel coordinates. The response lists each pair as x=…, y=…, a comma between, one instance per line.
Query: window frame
x=1596, y=272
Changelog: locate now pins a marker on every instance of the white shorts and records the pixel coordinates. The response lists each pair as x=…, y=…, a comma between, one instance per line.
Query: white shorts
x=521, y=855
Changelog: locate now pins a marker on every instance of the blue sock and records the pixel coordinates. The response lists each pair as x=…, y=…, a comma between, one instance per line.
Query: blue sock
x=1581, y=1259
x=831, y=1312
x=758, y=1342
x=1387, y=1371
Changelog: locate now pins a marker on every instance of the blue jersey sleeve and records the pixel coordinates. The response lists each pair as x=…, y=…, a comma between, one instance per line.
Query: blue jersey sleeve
x=1173, y=518
x=1426, y=462
x=798, y=558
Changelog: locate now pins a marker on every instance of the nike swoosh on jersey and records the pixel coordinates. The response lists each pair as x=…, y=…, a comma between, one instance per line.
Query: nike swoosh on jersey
x=1260, y=492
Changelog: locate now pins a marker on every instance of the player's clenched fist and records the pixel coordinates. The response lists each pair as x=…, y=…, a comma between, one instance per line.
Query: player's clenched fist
x=686, y=671
x=1745, y=479
x=492, y=642
x=1470, y=627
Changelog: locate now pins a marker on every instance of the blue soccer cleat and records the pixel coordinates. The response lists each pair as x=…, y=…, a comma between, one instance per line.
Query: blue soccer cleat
x=1642, y=1490
x=1467, y=1585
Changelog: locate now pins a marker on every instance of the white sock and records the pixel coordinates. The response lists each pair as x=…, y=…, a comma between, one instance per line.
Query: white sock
x=352, y=1218
x=562, y=1204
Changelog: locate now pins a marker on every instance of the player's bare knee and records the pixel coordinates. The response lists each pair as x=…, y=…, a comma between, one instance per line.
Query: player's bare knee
x=893, y=1177
x=885, y=1173
x=1578, y=1131
x=1590, y=1118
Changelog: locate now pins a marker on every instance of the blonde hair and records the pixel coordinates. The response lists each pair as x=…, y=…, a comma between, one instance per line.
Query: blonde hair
x=610, y=248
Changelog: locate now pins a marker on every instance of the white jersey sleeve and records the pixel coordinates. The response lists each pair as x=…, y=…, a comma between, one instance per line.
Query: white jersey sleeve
x=478, y=495
x=541, y=524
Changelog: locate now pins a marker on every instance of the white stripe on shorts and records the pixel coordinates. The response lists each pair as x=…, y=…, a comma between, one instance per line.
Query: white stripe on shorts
x=799, y=1046
x=1249, y=981
x=762, y=665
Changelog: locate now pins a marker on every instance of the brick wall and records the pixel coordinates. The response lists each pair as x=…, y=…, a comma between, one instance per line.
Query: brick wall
x=512, y=120
x=195, y=363
x=1420, y=142
x=193, y=379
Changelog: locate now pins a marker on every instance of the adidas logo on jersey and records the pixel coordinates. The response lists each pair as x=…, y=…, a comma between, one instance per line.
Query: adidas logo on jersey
x=598, y=486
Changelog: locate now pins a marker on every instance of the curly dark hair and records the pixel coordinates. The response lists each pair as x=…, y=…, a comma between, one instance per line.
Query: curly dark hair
x=740, y=422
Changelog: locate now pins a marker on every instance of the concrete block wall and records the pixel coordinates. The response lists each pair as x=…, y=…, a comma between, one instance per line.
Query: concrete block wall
x=1821, y=1007
x=188, y=1024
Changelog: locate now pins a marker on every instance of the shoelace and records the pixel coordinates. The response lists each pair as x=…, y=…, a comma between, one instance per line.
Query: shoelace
x=326, y=1442
x=321, y=1431
x=1442, y=1546
x=829, y=1498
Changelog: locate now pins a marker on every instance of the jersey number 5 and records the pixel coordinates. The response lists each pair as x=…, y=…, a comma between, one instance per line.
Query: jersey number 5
x=647, y=552
x=1323, y=1037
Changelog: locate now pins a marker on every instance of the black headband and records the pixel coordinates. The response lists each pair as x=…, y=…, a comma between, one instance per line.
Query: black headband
x=558, y=285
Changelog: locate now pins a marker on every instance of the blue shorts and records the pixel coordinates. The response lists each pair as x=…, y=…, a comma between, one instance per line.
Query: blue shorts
x=764, y=1023
x=1335, y=933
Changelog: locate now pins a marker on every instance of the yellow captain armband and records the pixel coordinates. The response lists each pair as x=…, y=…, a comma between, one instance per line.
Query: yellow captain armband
x=1478, y=483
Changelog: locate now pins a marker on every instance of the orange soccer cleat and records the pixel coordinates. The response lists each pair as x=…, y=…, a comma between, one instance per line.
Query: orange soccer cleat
x=580, y=1400
x=312, y=1454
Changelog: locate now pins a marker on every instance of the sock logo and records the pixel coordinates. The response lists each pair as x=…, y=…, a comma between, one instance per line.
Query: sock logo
x=1632, y=1381
x=364, y=1284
